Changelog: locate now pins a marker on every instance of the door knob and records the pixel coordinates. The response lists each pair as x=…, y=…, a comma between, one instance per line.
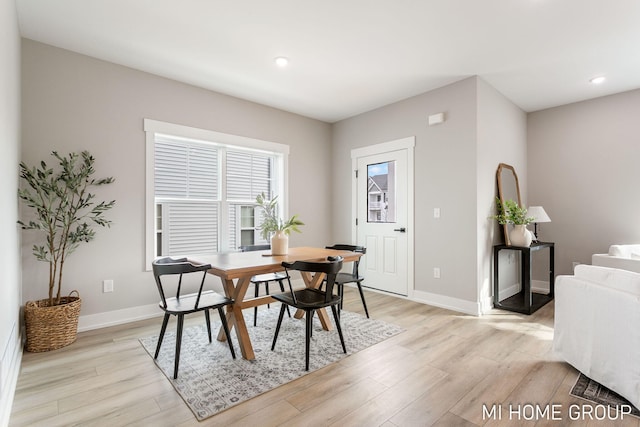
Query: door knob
x=402, y=229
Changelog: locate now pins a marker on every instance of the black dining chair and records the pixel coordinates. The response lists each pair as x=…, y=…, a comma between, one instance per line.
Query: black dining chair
x=180, y=305
x=310, y=299
x=354, y=276
x=264, y=279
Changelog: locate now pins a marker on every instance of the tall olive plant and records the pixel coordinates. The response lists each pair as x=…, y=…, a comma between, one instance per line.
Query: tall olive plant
x=64, y=209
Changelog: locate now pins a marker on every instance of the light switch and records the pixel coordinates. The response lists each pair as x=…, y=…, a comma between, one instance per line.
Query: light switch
x=436, y=212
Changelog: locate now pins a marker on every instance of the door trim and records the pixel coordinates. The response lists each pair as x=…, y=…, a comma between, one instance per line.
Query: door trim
x=407, y=144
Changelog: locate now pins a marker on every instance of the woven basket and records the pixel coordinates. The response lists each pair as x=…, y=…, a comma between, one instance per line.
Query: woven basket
x=51, y=327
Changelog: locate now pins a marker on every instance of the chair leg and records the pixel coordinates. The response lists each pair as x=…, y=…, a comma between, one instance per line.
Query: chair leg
x=255, y=309
x=266, y=284
x=341, y=294
x=208, y=320
x=364, y=304
x=275, y=336
x=225, y=326
x=337, y=320
x=282, y=290
x=162, y=331
x=176, y=363
x=307, y=343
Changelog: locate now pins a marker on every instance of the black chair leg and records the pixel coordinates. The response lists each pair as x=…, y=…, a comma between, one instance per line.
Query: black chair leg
x=341, y=294
x=275, y=336
x=282, y=290
x=176, y=363
x=266, y=284
x=337, y=320
x=162, y=331
x=255, y=309
x=208, y=320
x=307, y=343
x=364, y=304
x=225, y=326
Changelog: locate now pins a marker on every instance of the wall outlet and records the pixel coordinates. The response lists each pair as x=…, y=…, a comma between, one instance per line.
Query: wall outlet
x=436, y=272
x=107, y=286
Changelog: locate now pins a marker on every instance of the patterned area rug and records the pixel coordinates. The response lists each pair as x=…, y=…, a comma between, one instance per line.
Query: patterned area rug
x=588, y=389
x=210, y=381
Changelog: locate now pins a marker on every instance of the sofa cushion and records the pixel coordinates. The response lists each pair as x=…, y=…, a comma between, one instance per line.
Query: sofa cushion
x=624, y=251
x=622, y=280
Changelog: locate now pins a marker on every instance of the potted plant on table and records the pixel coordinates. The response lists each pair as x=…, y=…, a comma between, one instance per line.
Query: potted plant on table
x=64, y=210
x=275, y=227
x=510, y=212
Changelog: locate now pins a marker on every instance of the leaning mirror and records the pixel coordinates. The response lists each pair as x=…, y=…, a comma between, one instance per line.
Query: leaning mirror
x=508, y=188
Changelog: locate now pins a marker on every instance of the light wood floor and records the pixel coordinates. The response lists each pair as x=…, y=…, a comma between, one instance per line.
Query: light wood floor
x=440, y=372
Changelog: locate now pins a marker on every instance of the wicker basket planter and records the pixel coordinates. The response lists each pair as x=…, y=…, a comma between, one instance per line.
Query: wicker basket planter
x=51, y=327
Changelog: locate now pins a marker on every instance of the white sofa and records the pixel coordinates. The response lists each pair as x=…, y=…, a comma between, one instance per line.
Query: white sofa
x=625, y=257
x=597, y=326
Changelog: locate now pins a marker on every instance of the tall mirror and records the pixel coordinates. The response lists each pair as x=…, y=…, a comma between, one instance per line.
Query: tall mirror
x=508, y=188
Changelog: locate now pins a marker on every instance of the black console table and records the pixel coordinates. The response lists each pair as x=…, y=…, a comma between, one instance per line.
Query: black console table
x=525, y=301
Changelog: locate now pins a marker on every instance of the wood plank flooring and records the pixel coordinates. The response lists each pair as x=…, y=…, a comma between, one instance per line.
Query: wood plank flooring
x=440, y=372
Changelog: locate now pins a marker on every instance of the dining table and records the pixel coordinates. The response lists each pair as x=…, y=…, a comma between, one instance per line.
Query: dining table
x=235, y=269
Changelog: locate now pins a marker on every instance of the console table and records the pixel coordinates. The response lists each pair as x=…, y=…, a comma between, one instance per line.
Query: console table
x=525, y=301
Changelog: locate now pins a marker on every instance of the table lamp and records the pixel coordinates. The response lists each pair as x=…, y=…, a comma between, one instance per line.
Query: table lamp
x=539, y=215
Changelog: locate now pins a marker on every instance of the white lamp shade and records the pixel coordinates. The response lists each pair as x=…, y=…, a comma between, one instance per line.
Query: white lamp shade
x=538, y=213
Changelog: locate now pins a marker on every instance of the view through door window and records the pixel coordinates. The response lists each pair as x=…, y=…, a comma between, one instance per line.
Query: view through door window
x=381, y=192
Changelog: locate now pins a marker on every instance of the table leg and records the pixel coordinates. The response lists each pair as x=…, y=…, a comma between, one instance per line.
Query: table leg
x=235, y=316
x=314, y=282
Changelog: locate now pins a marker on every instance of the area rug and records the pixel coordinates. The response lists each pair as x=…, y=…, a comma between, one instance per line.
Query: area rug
x=210, y=381
x=588, y=389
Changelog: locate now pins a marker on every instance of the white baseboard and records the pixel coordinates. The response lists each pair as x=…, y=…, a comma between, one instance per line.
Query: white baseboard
x=509, y=291
x=9, y=371
x=450, y=303
x=118, y=317
x=540, y=286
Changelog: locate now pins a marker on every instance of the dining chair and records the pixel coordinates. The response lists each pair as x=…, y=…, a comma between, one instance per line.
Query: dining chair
x=264, y=279
x=181, y=305
x=311, y=299
x=354, y=276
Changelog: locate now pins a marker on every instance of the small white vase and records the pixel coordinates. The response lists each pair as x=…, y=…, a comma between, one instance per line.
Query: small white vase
x=279, y=243
x=520, y=236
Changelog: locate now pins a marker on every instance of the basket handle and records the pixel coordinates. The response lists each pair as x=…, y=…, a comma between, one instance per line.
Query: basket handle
x=77, y=293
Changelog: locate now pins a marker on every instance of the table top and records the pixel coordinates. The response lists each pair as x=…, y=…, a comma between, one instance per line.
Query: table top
x=233, y=265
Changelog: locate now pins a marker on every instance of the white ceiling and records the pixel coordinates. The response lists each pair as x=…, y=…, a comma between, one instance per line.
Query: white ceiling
x=351, y=56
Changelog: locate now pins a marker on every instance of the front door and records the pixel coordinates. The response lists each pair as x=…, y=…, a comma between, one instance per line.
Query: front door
x=383, y=218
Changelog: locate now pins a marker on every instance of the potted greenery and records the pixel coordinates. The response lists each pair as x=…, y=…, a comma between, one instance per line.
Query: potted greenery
x=510, y=212
x=64, y=209
x=275, y=227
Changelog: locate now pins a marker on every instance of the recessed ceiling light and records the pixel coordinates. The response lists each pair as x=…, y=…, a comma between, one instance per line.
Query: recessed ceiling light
x=282, y=61
x=597, y=80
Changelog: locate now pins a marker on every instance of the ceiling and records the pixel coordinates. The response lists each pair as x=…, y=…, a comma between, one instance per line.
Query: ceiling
x=351, y=56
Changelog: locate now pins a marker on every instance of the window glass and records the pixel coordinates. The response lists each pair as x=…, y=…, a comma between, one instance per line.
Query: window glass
x=381, y=192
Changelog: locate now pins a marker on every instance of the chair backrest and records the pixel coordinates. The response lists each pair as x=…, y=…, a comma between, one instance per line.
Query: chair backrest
x=177, y=266
x=330, y=268
x=251, y=248
x=352, y=248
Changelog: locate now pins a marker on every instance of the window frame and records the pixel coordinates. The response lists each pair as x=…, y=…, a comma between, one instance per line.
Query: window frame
x=152, y=127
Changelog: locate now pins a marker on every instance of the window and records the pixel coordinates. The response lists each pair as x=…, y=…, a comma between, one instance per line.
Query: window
x=202, y=186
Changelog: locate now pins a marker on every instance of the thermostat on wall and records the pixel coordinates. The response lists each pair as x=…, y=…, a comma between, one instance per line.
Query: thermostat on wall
x=436, y=119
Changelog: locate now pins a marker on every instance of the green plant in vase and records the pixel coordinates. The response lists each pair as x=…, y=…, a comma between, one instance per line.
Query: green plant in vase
x=274, y=227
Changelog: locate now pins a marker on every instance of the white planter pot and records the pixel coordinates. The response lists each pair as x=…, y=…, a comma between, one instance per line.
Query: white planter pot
x=279, y=243
x=520, y=236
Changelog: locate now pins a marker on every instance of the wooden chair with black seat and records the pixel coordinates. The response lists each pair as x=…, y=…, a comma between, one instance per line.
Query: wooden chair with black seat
x=180, y=305
x=264, y=278
x=354, y=276
x=310, y=299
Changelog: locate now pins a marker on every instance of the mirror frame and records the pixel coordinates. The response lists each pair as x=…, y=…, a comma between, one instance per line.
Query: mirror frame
x=501, y=167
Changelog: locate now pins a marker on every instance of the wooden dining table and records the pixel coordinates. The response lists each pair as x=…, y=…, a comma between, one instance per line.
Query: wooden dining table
x=236, y=269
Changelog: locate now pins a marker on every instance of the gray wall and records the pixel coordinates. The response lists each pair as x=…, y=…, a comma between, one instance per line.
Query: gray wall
x=73, y=102
x=502, y=138
x=10, y=274
x=583, y=169
x=455, y=164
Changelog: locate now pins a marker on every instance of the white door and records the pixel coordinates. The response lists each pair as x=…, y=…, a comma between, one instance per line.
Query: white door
x=384, y=219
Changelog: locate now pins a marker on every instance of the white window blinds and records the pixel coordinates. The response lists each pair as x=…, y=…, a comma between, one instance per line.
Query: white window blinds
x=248, y=175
